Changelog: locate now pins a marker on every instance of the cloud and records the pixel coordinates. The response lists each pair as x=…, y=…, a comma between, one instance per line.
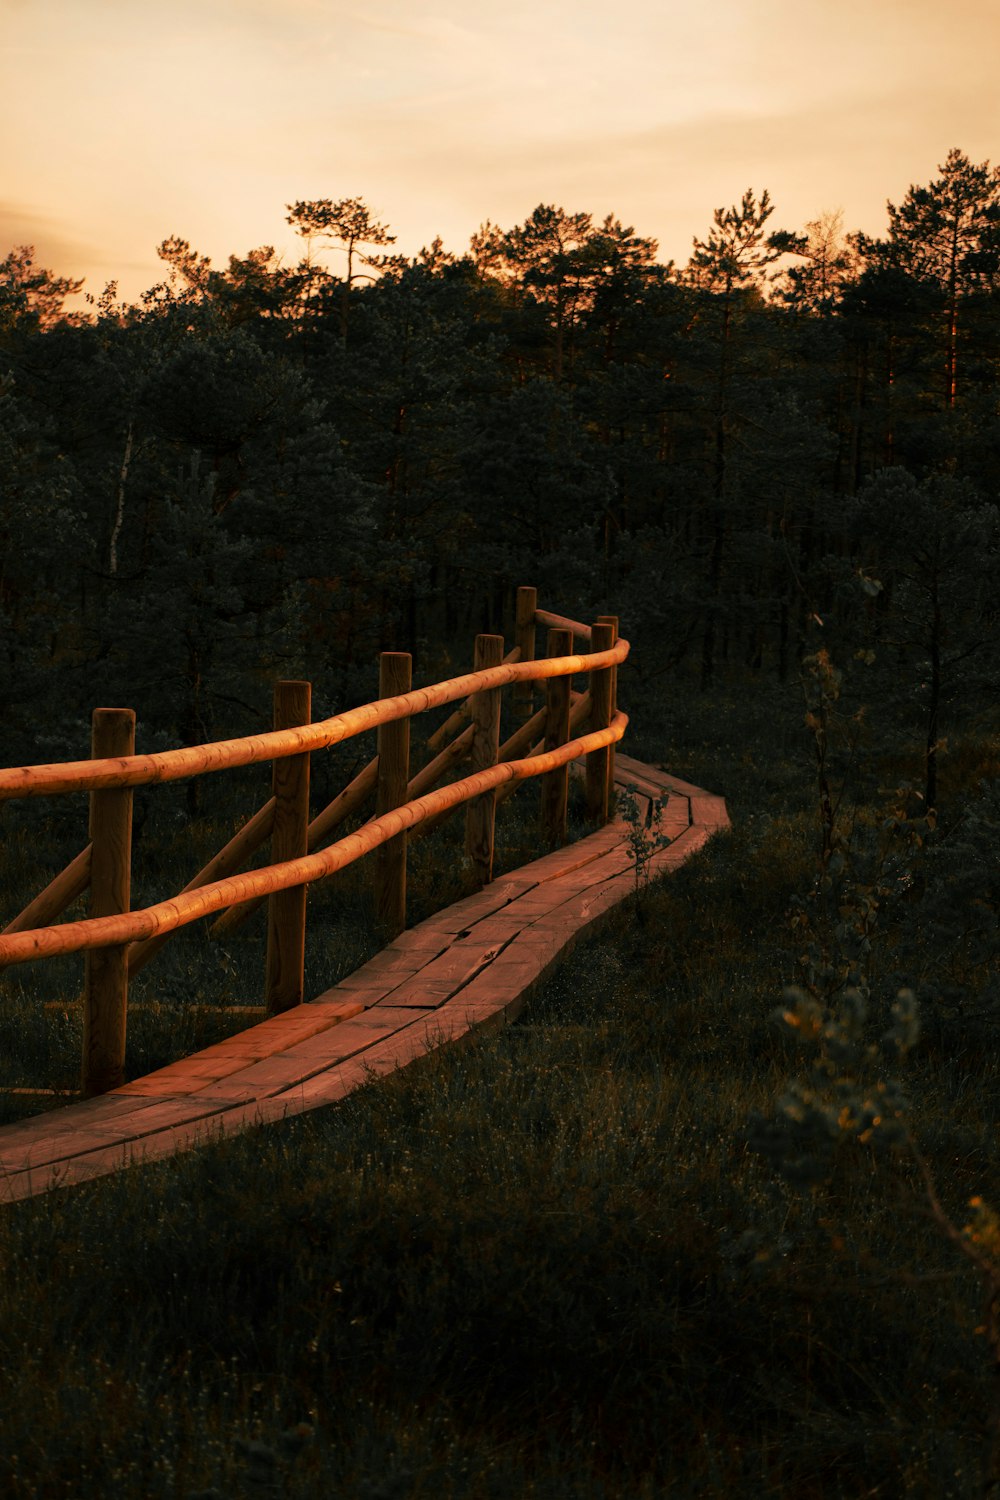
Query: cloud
x=204, y=119
x=57, y=246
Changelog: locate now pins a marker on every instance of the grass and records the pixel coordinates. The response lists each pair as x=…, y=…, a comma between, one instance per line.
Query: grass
x=550, y=1265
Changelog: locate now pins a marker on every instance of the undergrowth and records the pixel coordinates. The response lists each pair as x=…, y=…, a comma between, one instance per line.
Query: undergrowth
x=558, y=1264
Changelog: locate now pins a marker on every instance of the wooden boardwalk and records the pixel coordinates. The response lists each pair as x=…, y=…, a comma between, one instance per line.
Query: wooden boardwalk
x=470, y=966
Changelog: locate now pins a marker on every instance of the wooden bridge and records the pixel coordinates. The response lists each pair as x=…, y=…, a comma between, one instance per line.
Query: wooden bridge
x=470, y=966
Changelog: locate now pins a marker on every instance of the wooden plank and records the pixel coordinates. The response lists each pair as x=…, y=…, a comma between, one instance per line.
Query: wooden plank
x=628, y=768
x=710, y=811
x=423, y=994
x=65, y=1119
x=461, y=962
x=328, y=1087
x=573, y=857
x=498, y=928
x=384, y=969
x=490, y=961
x=465, y=915
x=415, y=941
x=158, y=1115
x=32, y=1182
x=268, y=1039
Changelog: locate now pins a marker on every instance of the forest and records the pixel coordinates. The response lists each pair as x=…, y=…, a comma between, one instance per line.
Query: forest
x=717, y=1216
x=263, y=470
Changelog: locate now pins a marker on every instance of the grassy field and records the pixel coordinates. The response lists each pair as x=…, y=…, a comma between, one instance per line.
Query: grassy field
x=557, y=1264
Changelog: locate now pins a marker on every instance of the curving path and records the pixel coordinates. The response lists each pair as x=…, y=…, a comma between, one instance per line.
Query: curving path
x=472, y=965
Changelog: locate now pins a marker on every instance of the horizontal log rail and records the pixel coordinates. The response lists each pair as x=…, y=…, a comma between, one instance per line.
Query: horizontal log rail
x=181, y=910
x=117, y=942
x=560, y=622
x=201, y=760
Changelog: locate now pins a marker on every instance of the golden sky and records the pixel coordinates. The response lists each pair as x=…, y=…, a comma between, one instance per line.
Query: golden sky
x=125, y=122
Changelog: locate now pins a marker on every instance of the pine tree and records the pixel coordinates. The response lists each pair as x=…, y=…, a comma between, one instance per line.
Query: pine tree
x=349, y=224
x=729, y=270
x=947, y=235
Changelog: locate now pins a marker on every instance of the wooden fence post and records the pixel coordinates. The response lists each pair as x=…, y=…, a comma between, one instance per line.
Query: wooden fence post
x=555, y=784
x=284, y=982
x=393, y=740
x=602, y=638
x=105, y=990
x=524, y=639
x=480, y=813
x=612, y=620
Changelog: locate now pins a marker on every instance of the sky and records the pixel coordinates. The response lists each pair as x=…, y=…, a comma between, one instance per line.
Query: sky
x=126, y=121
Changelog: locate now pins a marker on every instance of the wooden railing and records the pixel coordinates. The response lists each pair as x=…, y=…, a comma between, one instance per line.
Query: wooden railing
x=117, y=942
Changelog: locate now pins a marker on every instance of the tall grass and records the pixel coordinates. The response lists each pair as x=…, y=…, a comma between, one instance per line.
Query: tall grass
x=548, y=1265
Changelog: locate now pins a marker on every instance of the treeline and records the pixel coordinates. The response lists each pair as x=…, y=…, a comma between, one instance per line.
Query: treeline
x=267, y=470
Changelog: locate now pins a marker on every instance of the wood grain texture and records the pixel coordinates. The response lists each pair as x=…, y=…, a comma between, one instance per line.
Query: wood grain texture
x=284, y=975
x=598, y=765
x=555, y=786
x=560, y=622
x=221, y=755
x=480, y=812
x=344, y=805
x=395, y=669
x=612, y=620
x=524, y=639
x=464, y=712
x=457, y=976
x=179, y=911
x=105, y=987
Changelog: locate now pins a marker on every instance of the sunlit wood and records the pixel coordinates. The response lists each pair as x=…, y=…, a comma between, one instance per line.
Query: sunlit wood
x=532, y=748
x=480, y=812
x=284, y=983
x=179, y=911
x=599, y=761
x=461, y=715
x=395, y=669
x=343, y=806
x=612, y=620
x=105, y=989
x=555, y=787
x=524, y=638
x=254, y=833
x=176, y=765
x=560, y=622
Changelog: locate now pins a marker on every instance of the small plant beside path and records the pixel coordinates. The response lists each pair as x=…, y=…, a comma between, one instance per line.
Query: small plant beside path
x=644, y=835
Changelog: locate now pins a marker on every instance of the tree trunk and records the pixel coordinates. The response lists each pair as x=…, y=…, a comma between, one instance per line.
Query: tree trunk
x=933, y=709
